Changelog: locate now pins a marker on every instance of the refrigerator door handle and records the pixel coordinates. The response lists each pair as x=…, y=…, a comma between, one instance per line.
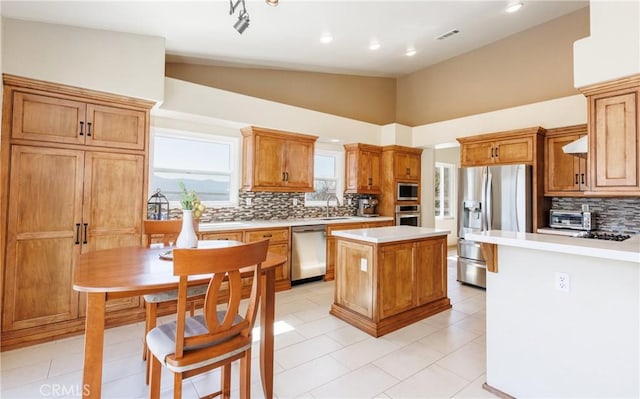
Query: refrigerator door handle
x=483, y=199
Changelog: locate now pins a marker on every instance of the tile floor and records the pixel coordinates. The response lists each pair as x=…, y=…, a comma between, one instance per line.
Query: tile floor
x=317, y=356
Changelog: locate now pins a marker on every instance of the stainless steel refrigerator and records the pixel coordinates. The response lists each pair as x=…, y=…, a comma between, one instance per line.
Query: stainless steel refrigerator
x=490, y=198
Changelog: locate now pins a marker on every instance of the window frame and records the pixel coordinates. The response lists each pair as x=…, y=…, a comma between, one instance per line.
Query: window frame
x=234, y=161
x=439, y=168
x=339, y=176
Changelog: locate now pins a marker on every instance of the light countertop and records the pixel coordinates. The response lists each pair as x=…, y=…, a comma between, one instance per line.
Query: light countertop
x=378, y=235
x=261, y=224
x=628, y=250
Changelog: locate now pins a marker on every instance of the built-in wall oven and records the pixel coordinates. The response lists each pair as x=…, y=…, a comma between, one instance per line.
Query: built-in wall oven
x=408, y=215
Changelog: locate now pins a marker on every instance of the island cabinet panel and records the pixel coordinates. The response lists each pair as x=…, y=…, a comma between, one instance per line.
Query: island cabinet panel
x=381, y=287
x=431, y=270
x=331, y=242
x=354, y=282
x=396, y=283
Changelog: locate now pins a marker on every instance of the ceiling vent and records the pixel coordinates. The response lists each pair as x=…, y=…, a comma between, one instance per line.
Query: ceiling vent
x=448, y=34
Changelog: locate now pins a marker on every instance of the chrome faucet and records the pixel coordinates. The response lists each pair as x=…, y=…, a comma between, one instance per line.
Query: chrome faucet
x=332, y=196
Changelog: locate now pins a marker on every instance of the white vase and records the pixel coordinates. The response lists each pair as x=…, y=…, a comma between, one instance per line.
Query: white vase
x=187, y=237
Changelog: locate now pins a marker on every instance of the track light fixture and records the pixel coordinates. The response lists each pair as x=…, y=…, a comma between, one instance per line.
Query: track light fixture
x=243, y=16
x=273, y=3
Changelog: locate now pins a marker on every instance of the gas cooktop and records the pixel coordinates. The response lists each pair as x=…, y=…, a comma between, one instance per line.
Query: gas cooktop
x=604, y=235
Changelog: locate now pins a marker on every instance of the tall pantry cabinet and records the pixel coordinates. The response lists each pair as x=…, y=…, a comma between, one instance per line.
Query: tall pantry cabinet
x=74, y=166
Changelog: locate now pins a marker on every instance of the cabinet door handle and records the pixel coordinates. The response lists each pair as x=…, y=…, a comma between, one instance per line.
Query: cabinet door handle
x=370, y=181
x=77, y=233
x=492, y=152
x=582, y=177
x=88, y=129
x=269, y=235
x=283, y=177
x=81, y=128
x=577, y=179
x=408, y=171
x=84, y=240
x=497, y=152
x=286, y=174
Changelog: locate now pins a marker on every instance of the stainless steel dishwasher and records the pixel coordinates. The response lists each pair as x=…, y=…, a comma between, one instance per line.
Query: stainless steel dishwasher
x=308, y=254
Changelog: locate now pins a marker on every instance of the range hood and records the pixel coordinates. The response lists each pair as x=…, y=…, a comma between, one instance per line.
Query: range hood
x=577, y=148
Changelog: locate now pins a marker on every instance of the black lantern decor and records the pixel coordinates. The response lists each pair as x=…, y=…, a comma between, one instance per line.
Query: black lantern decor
x=158, y=207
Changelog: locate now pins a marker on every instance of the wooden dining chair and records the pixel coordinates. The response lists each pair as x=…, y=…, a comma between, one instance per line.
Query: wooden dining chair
x=165, y=233
x=193, y=345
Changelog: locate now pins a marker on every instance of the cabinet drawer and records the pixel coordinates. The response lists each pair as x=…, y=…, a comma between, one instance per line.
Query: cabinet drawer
x=223, y=235
x=275, y=235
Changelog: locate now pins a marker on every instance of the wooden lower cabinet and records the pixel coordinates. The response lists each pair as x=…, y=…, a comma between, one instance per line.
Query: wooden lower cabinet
x=383, y=287
x=331, y=242
x=278, y=244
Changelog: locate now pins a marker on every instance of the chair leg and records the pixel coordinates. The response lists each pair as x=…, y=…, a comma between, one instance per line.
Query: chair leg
x=192, y=308
x=225, y=381
x=154, y=380
x=177, y=385
x=150, y=323
x=245, y=375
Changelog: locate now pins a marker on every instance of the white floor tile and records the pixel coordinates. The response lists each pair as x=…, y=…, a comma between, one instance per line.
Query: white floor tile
x=363, y=352
x=449, y=339
x=469, y=362
x=432, y=382
x=409, y=360
x=366, y=382
x=299, y=380
x=305, y=351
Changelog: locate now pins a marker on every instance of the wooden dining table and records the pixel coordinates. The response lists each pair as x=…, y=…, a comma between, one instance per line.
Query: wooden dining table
x=132, y=271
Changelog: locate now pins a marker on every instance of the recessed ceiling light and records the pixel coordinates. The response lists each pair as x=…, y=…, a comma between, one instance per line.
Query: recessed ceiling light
x=326, y=38
x=411, y=52
x=335, y=140
x=374, y=45
x=513, y=7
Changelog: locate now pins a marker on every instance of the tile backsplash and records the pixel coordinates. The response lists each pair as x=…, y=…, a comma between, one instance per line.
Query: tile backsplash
x=612, y=214
x=273, y=206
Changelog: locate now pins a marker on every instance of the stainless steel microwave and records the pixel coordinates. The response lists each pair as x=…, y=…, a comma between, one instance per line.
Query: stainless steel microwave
x=407, y=192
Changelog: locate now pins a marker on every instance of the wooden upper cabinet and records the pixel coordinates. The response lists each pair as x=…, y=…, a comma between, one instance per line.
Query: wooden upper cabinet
x=614, y=139
x=46, y=117
x=406, y=162
x=363, y=168
x=565, y=174
x=277, y=161
x=498, y=150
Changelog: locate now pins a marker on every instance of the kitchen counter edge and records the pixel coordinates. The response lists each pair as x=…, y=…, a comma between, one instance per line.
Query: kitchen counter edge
x=380, y=235
x=265, y=224
x=628, y=250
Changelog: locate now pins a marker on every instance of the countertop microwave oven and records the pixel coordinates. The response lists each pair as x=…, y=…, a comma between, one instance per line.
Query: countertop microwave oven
x=407, y=192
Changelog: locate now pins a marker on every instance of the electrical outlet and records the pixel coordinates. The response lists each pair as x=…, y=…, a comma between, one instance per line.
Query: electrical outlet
x=349, y=202
x=295, y=202
x=247, y=202
x=563, y=282
x=363, y=264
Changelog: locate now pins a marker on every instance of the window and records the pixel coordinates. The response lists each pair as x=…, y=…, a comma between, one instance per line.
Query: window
x=444, y=190
x=204, y=163
x=327, y=167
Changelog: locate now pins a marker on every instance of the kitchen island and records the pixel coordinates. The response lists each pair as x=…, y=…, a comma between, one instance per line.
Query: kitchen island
x=390, y=277
x=563, y=315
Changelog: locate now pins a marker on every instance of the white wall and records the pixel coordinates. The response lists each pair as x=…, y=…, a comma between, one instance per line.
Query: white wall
x=113, y=62
x=559, y=112
x=450, y=155
x=237, y=110
x=613, y=49
x=546, y=343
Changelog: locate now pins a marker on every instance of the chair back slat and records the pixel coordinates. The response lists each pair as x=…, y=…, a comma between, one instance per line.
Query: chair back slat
x=165, y=230
x=225, y=264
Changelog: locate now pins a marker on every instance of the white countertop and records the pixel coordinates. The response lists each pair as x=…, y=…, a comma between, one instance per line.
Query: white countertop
x=628, y=250
x=261, y=224
x=378, y=235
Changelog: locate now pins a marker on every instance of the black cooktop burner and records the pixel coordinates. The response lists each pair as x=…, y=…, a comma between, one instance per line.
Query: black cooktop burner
x=603, y=235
